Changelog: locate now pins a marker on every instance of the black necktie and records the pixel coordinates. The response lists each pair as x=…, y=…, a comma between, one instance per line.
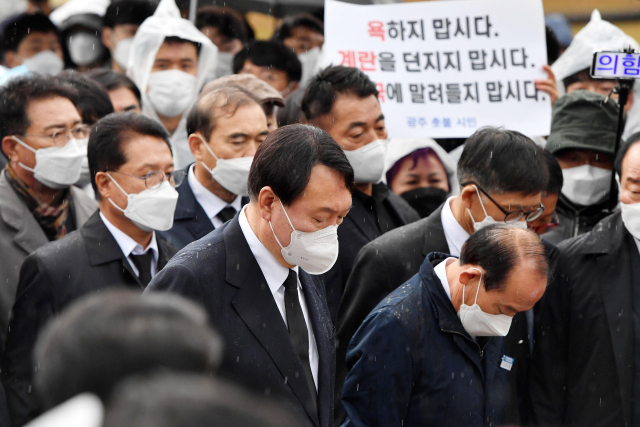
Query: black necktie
x=143, y=264
x=297, y=326
x=226, y=214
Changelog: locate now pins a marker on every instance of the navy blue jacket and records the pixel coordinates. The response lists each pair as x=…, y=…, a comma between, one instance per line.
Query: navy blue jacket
x=190, y=221
x=412, y=364
x=220, y=273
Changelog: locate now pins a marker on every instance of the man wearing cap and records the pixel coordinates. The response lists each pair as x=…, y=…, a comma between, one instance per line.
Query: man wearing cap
x=263, y=93
x=583, y=134
x=226, y=127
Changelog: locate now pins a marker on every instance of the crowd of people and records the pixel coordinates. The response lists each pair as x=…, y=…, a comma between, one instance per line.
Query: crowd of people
x=200, y=228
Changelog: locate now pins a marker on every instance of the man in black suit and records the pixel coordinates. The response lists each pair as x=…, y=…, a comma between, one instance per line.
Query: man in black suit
x=344, y=102
x=502, y=174
x=257, y=275
x=131, y=162
x=226, y=128
x=586, y=366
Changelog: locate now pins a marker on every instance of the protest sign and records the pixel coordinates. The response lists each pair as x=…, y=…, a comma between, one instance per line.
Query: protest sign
x=446, y=68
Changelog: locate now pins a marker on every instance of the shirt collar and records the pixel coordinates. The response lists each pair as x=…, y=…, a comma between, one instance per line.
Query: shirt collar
x=211, y=203
x=128, y=246
x=274, y=272
x=453, y=231
x=441, y=272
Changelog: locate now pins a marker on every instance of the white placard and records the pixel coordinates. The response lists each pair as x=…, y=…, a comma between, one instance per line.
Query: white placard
x=446, y=68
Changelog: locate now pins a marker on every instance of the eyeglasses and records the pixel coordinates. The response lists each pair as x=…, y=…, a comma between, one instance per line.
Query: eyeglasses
x=511, y=216
x=61, y=137
x=154, y=179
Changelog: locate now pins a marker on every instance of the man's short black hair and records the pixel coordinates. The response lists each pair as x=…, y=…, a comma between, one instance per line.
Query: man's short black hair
x=103, y=338
x=302, y=20
x=93, y=100
x=181, y=400
x=553, y=45
x=503, y=161
x=499, y=248
x=556, y=180
x=228, y=22
x=108, y=136
x=122, y=12
x=624, y=149
x=17, y=95
x=18, y=28
x=269, y=54
x=324, y=87
x=113, y=80
x=285, y=159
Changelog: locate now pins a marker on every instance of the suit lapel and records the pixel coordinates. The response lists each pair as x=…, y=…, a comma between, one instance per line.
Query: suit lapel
x=102, y=247
x=190, y=211
x=323, y=331
x=29, y=236
x=256, y=307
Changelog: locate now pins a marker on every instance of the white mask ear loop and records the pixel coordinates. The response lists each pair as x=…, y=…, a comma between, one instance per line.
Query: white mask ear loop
x=479, y=283
x=28, y=148
x=274, y=233
x=204, y=142
x=120, y=188
x=481, y=204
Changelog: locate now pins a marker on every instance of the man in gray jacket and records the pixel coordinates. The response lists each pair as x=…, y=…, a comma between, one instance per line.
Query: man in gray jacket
x=39, y=126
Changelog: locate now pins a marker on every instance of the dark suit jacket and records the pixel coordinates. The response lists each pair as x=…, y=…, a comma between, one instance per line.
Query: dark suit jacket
x=190, y=221
x=414, y=365
x=583, y=366
x=221, y=273
x=87, y=260
x=356, y=231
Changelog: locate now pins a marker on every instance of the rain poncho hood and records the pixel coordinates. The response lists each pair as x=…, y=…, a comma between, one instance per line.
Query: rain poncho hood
x=167, y=22
x=597, y=35
x=397, y=148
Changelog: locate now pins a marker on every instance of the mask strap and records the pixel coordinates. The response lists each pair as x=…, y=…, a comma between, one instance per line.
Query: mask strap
x=206, y=145
x=274, y=235
x=28, y=148
x=285, y=214
x=479, y=283
x=481, y=204
x=120, y=188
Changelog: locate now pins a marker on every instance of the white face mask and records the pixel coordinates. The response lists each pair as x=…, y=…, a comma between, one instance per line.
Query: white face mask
x=232, y=174
x=85, y=175
x=368, y=161
x=309, y=59
x=314, y=252
x=224, y=65
x=586, y=185
x=56, y=167
x=151, y=209
x=121, y=52
x=85, y=48
x=171, y=92
x=631, y=218
x=45, y=63
x=480, y=324
x=489, y=220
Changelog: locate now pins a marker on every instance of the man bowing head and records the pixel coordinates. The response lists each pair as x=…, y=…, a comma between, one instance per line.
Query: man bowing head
x=257, y=275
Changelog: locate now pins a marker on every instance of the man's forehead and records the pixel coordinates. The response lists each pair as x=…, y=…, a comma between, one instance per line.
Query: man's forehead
x=349, y=108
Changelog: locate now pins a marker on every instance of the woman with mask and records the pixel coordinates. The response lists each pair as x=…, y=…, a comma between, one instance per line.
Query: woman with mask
x=81, y=35
x=421, y=172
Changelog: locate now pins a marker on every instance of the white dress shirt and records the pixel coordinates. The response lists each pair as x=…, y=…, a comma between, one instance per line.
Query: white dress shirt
x=453, y=231
x=637, y=243
x=275, y=274
x=441, y=272
x=128, y=246
x=211, y=203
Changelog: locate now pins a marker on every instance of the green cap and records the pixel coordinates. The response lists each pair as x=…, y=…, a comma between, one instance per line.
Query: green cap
x=582, y=120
